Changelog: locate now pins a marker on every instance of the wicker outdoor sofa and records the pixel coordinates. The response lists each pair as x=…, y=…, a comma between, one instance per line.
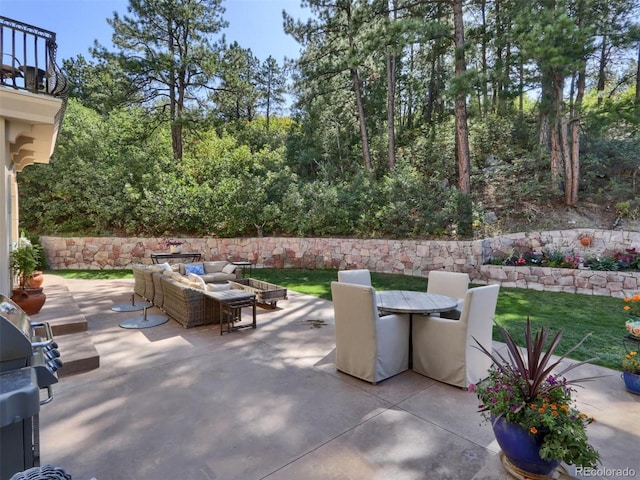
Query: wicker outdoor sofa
x=180, y=296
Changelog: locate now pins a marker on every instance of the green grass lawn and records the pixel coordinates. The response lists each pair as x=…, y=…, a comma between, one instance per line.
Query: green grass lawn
x=577, y=315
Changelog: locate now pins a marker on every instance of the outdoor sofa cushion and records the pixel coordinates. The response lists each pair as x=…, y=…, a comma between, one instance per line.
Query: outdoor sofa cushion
x=196, y=268
x=213, y=271
x=229, y=268
x=215, y=267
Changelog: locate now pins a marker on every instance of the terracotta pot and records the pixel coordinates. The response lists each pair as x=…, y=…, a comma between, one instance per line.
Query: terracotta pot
x=30, y=300
x=586, y=241
x=35, y=280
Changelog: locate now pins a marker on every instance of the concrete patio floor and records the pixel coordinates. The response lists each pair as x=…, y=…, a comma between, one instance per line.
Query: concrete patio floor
x=169, y=403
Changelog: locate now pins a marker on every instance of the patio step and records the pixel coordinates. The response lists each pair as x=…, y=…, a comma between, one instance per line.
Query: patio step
x=69, y=328
x=78, y=353
x=60, y=310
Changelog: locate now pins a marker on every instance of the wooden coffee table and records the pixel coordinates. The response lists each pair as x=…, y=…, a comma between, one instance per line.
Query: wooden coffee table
x=266, y=293
x=226, y=307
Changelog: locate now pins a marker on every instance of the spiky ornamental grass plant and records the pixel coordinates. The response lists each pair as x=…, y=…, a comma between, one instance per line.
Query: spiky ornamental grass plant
x=525, y=391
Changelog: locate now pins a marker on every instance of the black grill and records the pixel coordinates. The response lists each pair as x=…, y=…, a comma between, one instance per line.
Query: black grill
x=28, y=364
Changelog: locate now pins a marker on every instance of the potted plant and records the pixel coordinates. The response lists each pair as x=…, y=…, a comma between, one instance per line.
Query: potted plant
x=531, y=408
x=175, y=246
x=23, y=261
x=631, y=371
x=632, y=307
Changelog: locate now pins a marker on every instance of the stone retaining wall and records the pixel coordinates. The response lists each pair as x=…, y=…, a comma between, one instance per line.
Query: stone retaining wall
x=408, y=257
x=588, y=282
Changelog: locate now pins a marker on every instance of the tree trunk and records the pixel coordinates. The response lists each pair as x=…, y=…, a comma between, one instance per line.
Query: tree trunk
x=175, y=99
x=521, y=87
x=176, y=140
x=355, y=78
x=485, y=94
x=557, y=163
x=602, y=78
x=268, y=111
x=571, y=195
x=391, y=94
x=638, y=76
x=409, y=96
x=566, y=154
x=432, y=92
x=462, y=132
x=361, y=119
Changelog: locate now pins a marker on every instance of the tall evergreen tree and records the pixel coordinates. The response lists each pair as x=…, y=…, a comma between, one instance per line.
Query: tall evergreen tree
x=332, y=49
x=462, y=129
x=558, y=41
x=167, y=49
x=237, y=95
x=272, y=84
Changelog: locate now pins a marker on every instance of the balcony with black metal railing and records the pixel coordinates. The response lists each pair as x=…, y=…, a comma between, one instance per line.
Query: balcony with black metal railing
x=29, y=59
x=33, y=92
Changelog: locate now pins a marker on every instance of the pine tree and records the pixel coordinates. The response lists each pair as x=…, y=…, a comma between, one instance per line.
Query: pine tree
x=166, y=49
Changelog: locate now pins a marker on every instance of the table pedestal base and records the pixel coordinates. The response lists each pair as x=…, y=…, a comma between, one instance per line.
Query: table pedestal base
x=145, y=321
x=131, y=307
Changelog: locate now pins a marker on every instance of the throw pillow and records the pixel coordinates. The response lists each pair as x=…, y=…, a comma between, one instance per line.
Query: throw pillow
x=229, y=268
x=199, y=280
x=197, y=269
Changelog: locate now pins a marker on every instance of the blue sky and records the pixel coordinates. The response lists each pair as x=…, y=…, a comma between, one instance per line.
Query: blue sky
x=254, y=24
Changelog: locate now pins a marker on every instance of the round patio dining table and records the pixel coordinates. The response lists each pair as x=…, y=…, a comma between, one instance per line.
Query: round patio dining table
x=407, y=301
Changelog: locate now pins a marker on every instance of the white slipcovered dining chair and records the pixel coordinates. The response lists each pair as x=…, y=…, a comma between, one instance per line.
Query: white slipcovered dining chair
x=451, y=284
x=444, y=349
x=368, y=346
x=358, y=277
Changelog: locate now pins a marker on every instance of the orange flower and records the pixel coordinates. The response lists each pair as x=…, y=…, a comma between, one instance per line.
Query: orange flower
x=554, y=413
x=582, y=415
x=541, y=410
x=533, y=430
x=636, y=297
x=554, y=406
x=626, y=307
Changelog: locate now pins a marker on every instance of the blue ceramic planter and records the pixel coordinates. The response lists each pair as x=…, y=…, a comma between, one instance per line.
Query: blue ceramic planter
x=632, y=382
x=521, y=448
